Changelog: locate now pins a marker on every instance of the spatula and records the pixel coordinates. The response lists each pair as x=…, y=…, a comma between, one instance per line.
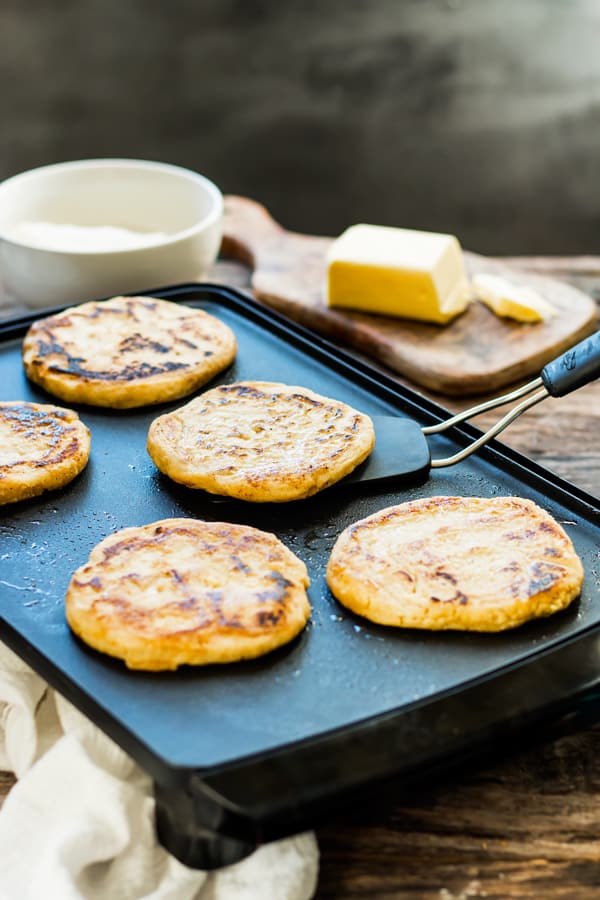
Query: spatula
x=401, y=450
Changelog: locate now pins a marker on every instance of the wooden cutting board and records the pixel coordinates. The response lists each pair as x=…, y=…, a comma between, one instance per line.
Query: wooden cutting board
x=477, y=353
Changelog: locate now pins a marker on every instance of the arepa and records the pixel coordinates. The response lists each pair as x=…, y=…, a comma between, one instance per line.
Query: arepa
x=466, y=563
x=42, y=448
x=126, y=352
x=260, y=441
x=184, y=591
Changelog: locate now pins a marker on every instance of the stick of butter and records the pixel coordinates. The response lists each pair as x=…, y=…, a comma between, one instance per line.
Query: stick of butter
x=398, y=272
x=514, y=301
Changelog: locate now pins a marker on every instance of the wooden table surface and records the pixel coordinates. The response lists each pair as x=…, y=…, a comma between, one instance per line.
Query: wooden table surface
x=527, y=826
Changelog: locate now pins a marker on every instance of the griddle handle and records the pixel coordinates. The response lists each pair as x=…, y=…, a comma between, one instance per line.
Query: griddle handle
x=576, y=367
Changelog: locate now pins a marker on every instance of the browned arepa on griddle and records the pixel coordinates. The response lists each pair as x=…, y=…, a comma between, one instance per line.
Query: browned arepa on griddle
x=184, y=591
x=261, y=441
x=466, y=563
x=127, y=352
x=42, y=448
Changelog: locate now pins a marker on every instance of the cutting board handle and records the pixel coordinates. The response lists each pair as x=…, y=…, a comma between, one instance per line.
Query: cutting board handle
x=250, y=234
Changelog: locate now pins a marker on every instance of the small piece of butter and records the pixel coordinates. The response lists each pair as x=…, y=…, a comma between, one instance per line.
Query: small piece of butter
x=513, y=301
x=398, y=272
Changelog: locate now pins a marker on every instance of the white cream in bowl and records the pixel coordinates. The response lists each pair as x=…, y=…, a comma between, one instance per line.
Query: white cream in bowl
x=94, y=238
x=93, y=228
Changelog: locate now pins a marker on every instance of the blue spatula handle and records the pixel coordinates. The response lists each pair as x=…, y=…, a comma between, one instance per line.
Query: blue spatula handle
x=576, y=367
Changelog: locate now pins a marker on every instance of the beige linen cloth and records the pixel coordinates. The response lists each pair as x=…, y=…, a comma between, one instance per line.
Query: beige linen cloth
x=79, y=823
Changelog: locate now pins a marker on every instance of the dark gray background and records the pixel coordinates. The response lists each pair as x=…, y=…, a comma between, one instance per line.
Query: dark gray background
x=472, y=116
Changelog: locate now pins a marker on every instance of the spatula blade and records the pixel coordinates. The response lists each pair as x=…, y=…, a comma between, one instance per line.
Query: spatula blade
x=401, y=454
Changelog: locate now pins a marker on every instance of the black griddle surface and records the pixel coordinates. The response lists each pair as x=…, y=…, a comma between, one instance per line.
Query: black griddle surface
x=342, y=669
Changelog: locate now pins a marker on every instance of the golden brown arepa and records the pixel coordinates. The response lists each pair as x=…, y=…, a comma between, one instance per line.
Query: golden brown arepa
x=260, y=441
x=126, y=352
x=467, y=563
x=183, y=591
x=42, y=447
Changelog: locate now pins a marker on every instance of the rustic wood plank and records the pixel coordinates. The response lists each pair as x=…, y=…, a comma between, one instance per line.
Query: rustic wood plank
x=524, y=828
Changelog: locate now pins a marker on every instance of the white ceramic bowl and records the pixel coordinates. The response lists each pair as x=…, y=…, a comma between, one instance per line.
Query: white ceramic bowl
x=177, y=213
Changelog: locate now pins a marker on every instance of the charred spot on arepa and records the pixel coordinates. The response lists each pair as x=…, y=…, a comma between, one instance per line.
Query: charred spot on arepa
x=269, y=617
x=543, y=576
x=524, y=535
x=457, y=597
x=440, y=573
x=549, y=527
x=137, y=341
